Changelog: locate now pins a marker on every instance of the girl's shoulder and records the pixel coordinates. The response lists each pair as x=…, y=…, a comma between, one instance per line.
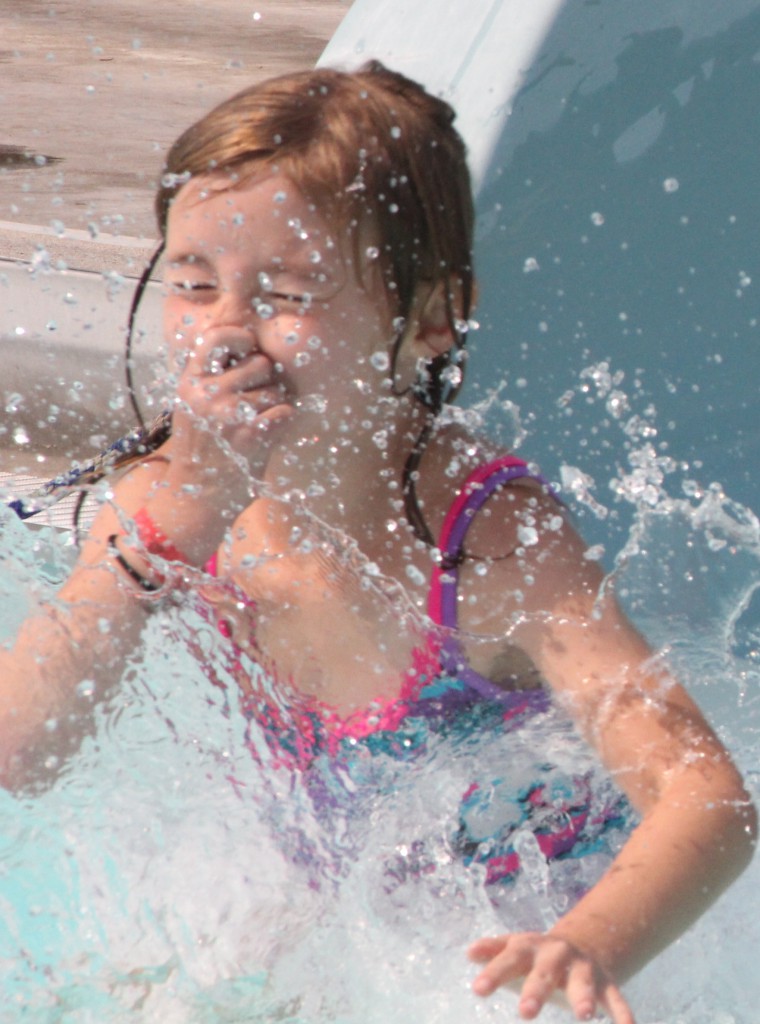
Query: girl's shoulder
x=494, y=489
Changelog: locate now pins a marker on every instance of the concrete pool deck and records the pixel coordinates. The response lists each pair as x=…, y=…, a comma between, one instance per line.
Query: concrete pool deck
x=92, y=94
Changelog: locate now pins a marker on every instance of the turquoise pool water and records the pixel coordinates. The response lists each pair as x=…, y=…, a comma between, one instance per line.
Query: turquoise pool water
x=146, y=879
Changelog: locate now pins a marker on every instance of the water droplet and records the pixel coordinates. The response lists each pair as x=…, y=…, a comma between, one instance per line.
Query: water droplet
x=380, y=360
x=395, y=132
x=59, y=227
x=20, y=435
x=256, y=16
x=314, y=342
x=13, y=402
x=170, y=180
x=238, y=219
x=70, y=299
x=41, y=262
x=594, y=553
x=86, y=688
x=393, y=207
x=280, y=197
x=315, y=256
x=527, y=535
x=114, y=283
x=372, y=252
x=302, y=358
x=414, y=574
x=264, y=310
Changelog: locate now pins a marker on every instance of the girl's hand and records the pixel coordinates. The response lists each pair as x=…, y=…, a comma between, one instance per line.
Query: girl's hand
x=228, y=390
x=549, y=964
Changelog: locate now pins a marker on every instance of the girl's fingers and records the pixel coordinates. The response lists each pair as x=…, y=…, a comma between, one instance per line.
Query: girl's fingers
x=616, y=1005
x=485, y=949
x=553, y=970
x=549, y=972
x=582, y=990
x=508, y=957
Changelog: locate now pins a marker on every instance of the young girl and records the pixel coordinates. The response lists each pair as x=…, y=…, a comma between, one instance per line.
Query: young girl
x=379, y=561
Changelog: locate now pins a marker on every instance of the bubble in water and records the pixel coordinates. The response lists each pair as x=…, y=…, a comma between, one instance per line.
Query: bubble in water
x=238, y=220
x=597, y=218
x=395, y=132
x=280, y=197
x=380, y=360
x=372, y=252
x=314, y=342
x=671, y=185
x=380, y=439
x=530, y=265
x=20, y=436
x=13, y=402
x=302, y=358
x=265, y=282
x=315, y=256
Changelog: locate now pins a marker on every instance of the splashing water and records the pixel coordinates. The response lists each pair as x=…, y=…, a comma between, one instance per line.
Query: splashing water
x=168, y=874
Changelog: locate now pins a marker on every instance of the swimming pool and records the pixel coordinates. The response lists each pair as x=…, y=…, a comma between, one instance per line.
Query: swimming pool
x=147, y=882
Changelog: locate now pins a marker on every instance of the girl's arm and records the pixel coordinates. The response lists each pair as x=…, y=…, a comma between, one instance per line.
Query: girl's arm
x=85, y=633
x=698, y=825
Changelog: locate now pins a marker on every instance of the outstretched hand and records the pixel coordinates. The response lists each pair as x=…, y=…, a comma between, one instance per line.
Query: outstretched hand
x=548, y=964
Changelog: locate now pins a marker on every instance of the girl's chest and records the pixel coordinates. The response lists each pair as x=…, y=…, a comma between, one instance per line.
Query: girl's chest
x=322, y=619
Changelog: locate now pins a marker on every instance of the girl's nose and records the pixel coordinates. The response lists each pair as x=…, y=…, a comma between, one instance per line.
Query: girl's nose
x=235, y=308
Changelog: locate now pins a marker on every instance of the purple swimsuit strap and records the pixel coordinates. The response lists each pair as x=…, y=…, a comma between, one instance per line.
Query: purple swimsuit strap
x=442, y=600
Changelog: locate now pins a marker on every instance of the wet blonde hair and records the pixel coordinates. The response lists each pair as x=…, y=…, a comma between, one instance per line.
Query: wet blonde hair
x=369, y=147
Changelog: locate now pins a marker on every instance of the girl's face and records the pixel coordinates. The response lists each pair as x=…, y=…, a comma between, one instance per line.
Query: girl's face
x=263, y=300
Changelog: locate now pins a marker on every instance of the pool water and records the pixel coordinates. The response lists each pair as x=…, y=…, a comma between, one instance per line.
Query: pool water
x=164, y=873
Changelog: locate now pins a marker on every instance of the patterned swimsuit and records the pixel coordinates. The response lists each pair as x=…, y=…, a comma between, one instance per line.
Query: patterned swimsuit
x=443, y=696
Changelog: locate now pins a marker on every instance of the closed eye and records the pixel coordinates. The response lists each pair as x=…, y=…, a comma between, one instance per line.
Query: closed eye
x=186, y=286
x=300, y=299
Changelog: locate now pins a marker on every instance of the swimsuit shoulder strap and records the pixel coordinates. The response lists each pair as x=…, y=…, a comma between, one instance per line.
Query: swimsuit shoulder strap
x=479, y=486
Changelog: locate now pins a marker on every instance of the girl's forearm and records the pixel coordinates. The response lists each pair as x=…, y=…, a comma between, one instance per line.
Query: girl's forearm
x=43, y=705
x=688, y=848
